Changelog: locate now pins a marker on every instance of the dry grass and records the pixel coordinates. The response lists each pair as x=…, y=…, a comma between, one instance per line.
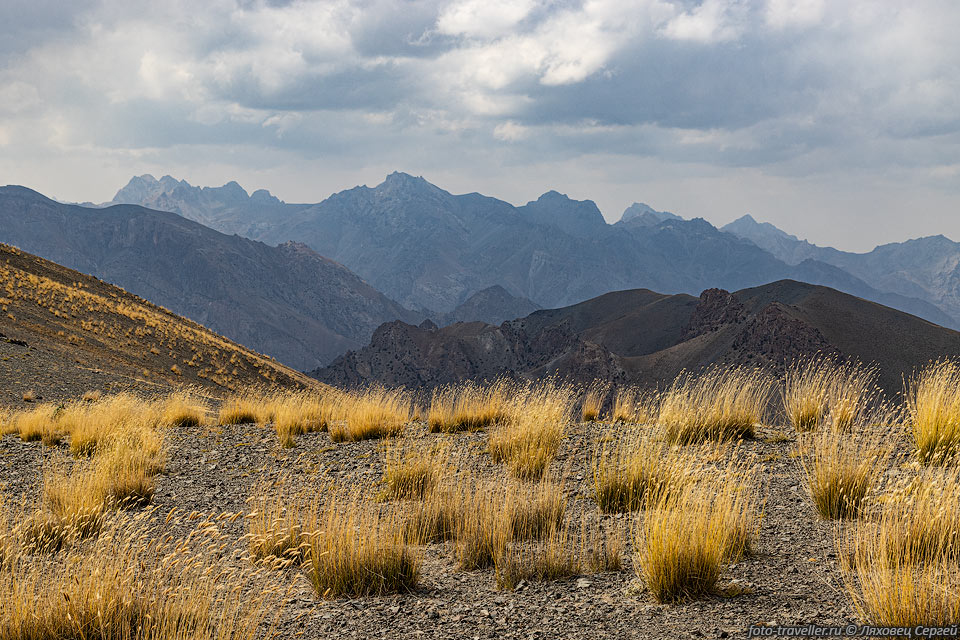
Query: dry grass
x=356, y=551
x=683, y=543
x=852, y=393
x=716, y=405
x=37, y=424
x=410, y=470
x=469, y=406
x=806, y=392
x=131, y=583
x=483, y=517
x=636, y=469
x=182, y=409
x=901, y=568
x=275, y=525
x=933, y=400
x=375, y=412
x=247, y=407
x=633, y=405
x=529, y=443
x=303, y=412
x=593, y=400
x=842, y=471
x=553, y=558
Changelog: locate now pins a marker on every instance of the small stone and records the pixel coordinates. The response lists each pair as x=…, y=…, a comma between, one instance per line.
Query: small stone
x=583, y=583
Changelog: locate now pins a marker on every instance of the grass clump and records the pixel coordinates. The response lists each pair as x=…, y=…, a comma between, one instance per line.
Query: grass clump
x=933, y=401
x=901, y=567
x=373, y=413
x=806, y=393
x=593, y=401
x=354, y=551
x=131, y=583
x=469, y=406
x=37, y=424
x=842, y=470
x=529, y=443
x=632, y=405
x=851, y=396
x=183, y=409
x=718, y=405
x=275, y=526
x=638, y=469
x=683, y=542
x=410, y=471
x=243, y=408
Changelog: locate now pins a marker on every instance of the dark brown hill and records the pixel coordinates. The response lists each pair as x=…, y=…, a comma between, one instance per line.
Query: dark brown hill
x=649, y=338
x=63, y=333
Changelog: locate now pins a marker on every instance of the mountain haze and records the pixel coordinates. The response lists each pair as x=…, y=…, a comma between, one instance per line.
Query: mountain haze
x=286, y=301
x=430, y=250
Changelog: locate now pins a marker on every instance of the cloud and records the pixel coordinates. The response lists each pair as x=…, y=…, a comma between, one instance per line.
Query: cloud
x=797, y=89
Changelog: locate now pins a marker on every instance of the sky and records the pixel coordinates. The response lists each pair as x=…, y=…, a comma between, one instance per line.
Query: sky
x=838, y=121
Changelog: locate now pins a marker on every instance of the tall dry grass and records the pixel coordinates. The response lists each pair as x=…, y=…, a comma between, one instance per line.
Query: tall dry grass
x=933, y=401
x=354, y=550
x=637, y=468
x=375, y=412
x=842, y=471
x=410, y=470
x=853, y=394
x=469, y=406
x=901, y=567
x=529, y=443
x=807, y=388
x=131, y=583
x=593, y=399
x=633, y=405
x=683, y=542
x=719, y=405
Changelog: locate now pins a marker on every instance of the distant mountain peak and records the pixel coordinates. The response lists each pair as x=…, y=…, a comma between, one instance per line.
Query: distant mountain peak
x=646, y=214
x=747, y=227
x=576, y=217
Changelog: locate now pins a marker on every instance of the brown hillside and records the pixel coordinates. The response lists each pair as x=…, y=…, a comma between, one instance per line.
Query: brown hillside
x=63, y=332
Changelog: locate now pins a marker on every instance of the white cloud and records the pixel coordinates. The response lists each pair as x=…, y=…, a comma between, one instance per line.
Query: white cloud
x=483, y=18
x=797, y=89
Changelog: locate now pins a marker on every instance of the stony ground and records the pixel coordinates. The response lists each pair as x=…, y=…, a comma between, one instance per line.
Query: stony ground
x=791, y=577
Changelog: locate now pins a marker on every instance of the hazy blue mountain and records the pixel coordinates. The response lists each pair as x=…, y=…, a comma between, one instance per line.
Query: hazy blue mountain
x=646, y=214
x=285, y=301
x=228, y=209
x=927, y=268
x=430, y=250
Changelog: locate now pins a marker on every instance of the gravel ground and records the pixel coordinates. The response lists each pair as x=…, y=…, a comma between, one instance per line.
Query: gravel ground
x=791, y=578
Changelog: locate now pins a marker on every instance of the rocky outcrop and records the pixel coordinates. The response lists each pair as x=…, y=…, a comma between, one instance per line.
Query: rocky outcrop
x=717, y=308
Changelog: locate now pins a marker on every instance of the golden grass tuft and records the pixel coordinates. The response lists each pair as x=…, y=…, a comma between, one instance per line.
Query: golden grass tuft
x=852, y=393
x=842, y=471
x=37, y=424
x=469, y=406
x=933, y=401
x=130, y=583
x=373, y=413
x=529, y=443
x=593, y=399
x=410, y=470
x=247, y=407
x=719, y=404
x=901, y=567
x=183, y=409
x=633, y=405
x=275, y=525
x=683, y=542
x=356, y=551
x=806, y=393
x=636, y=469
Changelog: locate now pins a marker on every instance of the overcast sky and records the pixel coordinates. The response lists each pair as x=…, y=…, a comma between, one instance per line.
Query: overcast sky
x=837, y=121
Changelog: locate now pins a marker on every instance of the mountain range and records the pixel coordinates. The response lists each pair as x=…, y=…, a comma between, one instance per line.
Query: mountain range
x=430, y=250
x=286, y=301
x=306, y=283
x=639, y=336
